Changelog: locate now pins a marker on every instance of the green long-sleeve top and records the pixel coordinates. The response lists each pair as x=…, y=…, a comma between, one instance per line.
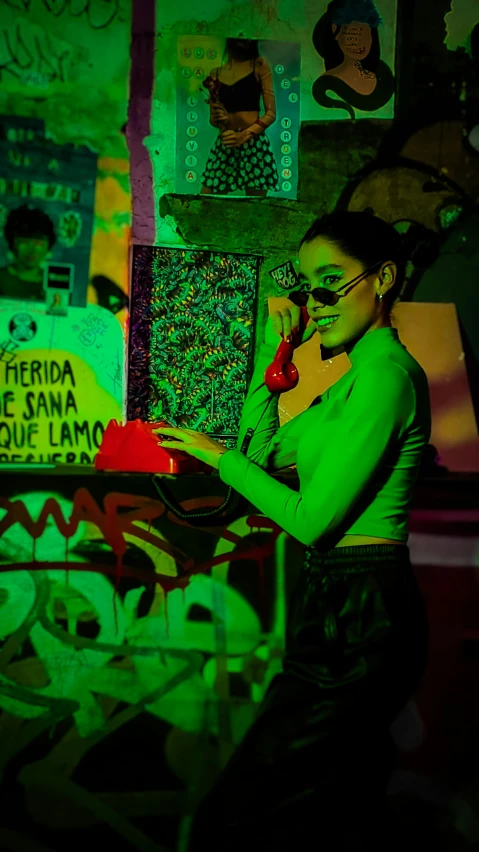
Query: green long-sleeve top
x=357, y=448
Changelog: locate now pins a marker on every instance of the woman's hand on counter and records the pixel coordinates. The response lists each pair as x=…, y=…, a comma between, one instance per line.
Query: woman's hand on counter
x=195, y=444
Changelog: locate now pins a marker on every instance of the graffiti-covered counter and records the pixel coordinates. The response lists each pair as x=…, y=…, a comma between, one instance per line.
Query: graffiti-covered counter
x=136, y=646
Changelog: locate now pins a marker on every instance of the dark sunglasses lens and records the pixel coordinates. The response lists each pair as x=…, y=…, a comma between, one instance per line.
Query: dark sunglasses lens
x=298, y=297
x=319, y=294
x=326, y=297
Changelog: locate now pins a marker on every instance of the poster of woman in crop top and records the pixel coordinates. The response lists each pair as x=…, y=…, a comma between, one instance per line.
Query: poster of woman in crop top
x=237, y=117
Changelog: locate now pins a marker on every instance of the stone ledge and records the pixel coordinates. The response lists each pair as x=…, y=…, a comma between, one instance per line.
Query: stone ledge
x=256, y=225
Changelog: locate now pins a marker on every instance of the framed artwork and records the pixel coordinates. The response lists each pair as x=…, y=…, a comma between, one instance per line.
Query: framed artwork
x=191, y=341
x=267, y=164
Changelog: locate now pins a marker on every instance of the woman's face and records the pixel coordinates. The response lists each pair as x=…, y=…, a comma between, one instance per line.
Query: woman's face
x=240, y=47
x=355, y=40
x=323, y=264
x=30, y=252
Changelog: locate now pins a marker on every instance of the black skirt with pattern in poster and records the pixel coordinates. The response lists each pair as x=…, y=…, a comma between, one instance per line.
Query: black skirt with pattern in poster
x=250, y=165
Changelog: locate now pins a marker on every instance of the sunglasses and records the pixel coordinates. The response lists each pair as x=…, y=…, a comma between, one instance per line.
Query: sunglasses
x=329, y=297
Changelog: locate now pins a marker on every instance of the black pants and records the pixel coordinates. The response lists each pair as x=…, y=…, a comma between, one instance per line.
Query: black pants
x=313, y=769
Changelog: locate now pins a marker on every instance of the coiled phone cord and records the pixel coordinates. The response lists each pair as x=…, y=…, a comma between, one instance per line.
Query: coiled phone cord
x=172, y=504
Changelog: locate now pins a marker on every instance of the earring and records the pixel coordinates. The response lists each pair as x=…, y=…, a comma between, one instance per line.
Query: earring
x=380, y=297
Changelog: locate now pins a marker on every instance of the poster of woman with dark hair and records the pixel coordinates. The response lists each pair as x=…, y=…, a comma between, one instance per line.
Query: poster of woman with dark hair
x=355, y=77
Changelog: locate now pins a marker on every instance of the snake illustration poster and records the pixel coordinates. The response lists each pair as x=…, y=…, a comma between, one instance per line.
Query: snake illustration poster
x=191, y=337
x=355, y=41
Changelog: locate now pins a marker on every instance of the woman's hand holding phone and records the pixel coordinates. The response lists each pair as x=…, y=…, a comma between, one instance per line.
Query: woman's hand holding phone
x=292, y=324
x=286, y=323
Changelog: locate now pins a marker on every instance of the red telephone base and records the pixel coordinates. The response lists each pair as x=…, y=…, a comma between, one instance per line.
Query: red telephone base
x=134, y=448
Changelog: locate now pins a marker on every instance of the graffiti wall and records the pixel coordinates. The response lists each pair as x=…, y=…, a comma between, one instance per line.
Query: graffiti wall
x=135, y=649
x=64, y=71
x=112, y=622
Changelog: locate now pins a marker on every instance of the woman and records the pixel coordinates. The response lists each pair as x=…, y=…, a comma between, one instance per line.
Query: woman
x=317, y=760
x=348, y=40
x=241, y=158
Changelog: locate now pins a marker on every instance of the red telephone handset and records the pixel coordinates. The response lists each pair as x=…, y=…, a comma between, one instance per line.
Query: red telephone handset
x=134, y=448
x=282, y=375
